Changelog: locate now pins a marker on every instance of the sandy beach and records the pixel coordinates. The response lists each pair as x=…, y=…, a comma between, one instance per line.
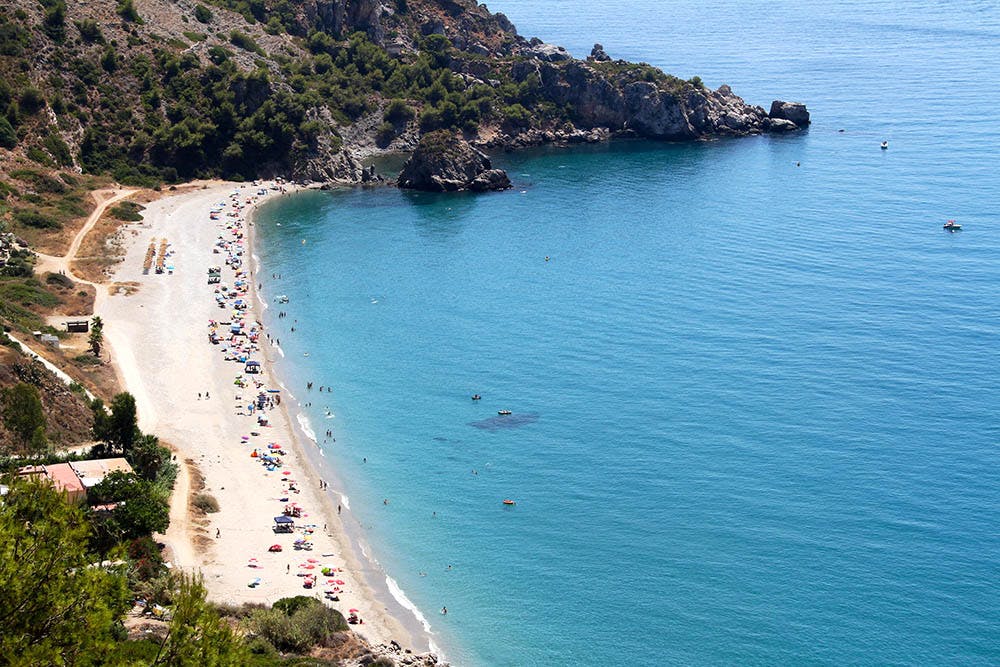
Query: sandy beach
x=185, y=393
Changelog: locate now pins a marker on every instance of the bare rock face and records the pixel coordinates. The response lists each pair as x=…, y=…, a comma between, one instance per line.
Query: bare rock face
x=343, y=16
x=651, y=109
x=443, y=162
x=795, y=112
x=550, y=53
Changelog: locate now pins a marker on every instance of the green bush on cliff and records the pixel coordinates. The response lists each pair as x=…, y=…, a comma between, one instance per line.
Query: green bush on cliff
x=8, y=137
x=398, y=111
x=202, y=14
x=127, y=10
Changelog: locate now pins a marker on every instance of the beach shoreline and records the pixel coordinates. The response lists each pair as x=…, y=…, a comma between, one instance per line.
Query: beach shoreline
x=164, y=358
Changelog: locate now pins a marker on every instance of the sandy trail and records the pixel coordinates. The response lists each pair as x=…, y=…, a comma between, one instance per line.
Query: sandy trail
x=55, y=264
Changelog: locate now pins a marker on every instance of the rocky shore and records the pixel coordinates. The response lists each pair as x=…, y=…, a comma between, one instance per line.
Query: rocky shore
x=602, y=98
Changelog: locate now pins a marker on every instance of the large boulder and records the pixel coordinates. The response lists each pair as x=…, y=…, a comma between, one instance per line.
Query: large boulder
x=795, y=112
x=443, y=162
x=551, y=53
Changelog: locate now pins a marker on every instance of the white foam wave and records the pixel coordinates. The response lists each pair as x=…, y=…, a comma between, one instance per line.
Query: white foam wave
x=406, y=603
x=345, y=501
x=280, y=351
x=306, y=426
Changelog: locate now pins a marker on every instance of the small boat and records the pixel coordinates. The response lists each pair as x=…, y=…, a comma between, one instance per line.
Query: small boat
x=503, y=412
x=508, y=501
x=885, y=145
x=952, y=226
x=282, y=299
x=476, y=397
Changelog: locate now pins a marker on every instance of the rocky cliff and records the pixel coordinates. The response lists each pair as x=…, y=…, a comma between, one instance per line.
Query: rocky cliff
x=165, y=92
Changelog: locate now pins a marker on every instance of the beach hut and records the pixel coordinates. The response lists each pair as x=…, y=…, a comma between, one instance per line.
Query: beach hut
x=284, y=524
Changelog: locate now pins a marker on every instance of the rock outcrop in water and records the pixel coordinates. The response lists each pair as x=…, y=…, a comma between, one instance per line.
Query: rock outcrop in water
x=785, y=116
x=443, y=162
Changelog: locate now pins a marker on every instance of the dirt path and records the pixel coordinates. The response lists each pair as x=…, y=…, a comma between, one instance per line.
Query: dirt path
x=180, y=535
x=64, y=264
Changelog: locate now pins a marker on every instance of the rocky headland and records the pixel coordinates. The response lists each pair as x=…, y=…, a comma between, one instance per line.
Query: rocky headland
x=310, y=89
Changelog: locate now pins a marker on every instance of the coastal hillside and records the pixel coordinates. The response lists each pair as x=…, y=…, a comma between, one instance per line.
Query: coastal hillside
x=155, y=91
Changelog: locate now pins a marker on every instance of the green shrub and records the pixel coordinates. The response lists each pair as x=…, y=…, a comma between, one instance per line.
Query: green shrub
x=90, y=31
x=279, y=630
x=31, y=101
x=205, y=502
x=8, y=137
x=27, y=292
x=297, y=624
x=56, y=147
x=147, y=560
x=517, y=117
x=36, y=154
x=109, y=59
x=385, y=134
x=202, y=13
x=320, y=623
x=87, y=360
x=19, y=266
x=196, y=36
x=40, y=181
x=244, y=41
x=293, y=604
x=58, y=280
x=126, y=9
x=127, y=211
x=54, y=22
x=32, y=218
x=398, y=112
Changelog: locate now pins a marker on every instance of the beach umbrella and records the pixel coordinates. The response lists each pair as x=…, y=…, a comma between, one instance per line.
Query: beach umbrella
x=352, y=611
x=312, y=560
x=286, y=472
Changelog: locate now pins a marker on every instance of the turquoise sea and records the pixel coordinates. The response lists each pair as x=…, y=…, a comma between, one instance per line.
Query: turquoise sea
x=755, y=389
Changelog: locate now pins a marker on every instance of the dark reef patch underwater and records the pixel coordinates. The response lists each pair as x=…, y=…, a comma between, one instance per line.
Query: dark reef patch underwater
x=501, y=422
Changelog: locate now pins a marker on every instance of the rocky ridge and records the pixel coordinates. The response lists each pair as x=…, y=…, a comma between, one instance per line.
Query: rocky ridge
x=509, y=91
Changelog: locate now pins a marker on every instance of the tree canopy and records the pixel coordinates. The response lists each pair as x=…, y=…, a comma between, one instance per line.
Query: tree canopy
x=55, y=605
x=22, y=412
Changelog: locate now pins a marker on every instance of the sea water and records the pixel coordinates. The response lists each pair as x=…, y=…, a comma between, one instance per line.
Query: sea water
x=753, y=383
